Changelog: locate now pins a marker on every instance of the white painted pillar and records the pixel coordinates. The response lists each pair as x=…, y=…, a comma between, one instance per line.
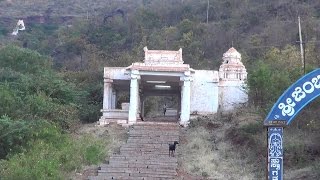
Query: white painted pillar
x=139, y=101
x=134, y=92
x=185, y=101
x=179, y=106
x=114, y=99
x=142, y=105
x=142, y=108
x=106, y=93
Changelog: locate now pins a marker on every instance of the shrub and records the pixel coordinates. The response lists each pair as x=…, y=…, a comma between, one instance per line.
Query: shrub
x=14, y=135
x=52, y=154
x=93, y=154
x=23, y=60
x=30, y=89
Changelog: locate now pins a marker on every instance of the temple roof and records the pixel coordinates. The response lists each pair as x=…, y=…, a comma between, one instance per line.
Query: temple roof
x=146, y=67
x=162, y=57
x=232, y=53
x=232, y=61
x=161, y=60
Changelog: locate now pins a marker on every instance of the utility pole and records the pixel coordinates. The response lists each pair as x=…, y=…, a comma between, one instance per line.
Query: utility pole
x=301, y=48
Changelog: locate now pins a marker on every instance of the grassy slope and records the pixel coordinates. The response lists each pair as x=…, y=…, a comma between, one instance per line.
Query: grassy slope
x=233, y=146
x=113, y=136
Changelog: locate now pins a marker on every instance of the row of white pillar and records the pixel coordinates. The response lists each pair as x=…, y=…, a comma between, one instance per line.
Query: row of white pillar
x=134, y=94
x=109, y=97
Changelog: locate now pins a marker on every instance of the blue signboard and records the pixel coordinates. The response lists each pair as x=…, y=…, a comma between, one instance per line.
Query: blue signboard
x=296, y=97
x=275, y=153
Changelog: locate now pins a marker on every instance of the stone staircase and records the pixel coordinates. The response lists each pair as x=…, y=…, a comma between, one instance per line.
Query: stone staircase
x=145, y=155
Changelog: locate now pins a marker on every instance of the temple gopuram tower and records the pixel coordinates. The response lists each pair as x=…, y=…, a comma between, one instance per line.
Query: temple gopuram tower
x=232, y=77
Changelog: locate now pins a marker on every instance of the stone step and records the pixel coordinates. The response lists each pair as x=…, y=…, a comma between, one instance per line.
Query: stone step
x=152, y=134
x=125, y=165
x=126, y=151
x=154, y=140
x=105, y=177
x=136, y=174
x=158, y=124
x=145, y=162
x=151, y=141
x=128, y=156
x=139, y=170
x=111, y=161
x=146, y=159
x=145, y=155
x=148, y=131
x=146, y=146
x=148, y=136
x=157, y=131
x=163, y=128
x=134, y=153
x=154, y=148
x=149, y=154
x=160, y=145
x=119, y=168
x=161, y=158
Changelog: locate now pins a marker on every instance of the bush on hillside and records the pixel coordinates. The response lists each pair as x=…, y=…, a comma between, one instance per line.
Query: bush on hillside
x=30, y=89
x=52, y=154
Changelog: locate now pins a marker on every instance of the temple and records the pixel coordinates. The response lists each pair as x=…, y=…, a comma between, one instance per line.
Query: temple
x=163, y=73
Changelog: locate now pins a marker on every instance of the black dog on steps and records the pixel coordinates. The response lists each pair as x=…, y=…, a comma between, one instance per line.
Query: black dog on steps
x=172, y=148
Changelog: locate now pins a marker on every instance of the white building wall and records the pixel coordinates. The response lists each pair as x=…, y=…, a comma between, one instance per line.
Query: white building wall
x=231, y=95
x=204, y=92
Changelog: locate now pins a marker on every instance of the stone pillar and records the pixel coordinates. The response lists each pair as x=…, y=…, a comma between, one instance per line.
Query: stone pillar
x=114, y=100
x=107, y=89
x=185, y=100
x=139, y=100
x=179, y=105
x=142, y=105
x=134, y=93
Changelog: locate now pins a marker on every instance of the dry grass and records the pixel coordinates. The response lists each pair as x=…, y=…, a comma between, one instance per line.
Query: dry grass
x=112, y=135
x=233, y=146
x=205, y=152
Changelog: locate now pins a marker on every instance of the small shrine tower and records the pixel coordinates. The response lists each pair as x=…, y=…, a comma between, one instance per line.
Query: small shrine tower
x=232, y=77
x=232, y=68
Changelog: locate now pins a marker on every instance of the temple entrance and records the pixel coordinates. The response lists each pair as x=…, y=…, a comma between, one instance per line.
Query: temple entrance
x=163, y=75
x=144, y=97
x=161, y=109
x=160, y=98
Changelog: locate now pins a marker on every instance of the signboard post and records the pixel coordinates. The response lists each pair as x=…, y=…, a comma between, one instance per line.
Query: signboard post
x=289, y=104
x=275, y=153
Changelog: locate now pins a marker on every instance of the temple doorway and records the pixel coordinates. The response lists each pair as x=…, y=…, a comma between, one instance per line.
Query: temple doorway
x=161, y=108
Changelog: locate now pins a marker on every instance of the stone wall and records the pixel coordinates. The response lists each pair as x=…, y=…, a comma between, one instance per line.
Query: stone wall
x=231, y=95
x=204, y=92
